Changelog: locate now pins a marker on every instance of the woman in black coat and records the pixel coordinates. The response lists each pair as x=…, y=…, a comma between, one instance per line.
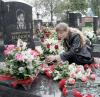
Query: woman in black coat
x=78, y=48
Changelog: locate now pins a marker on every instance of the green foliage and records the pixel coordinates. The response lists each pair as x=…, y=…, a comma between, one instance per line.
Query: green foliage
x=95, y=4
x=72, y=5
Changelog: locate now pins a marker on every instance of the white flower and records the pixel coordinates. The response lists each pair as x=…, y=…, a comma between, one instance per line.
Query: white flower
x=89, y=34
x=30, y=66
x=27, y=56
x=57, y=77
x=21, y=44
x=51, y=41
x=24, y=45
x=80, y=68
x=21, y=69
x=79, y=75
x=72, y=67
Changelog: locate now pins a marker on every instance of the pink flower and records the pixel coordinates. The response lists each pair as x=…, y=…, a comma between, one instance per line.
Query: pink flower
x=52, y=68
x=7, y=52
x=19, y=57
x=71, y=81
x=34, y=53
x=93, y=76
x=10, y=47
x=78, y=69
x=89, y=71
x=73, y=75
x=84, y=79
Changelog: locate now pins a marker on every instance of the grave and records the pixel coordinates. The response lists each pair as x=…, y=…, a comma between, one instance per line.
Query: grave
x=15, y=22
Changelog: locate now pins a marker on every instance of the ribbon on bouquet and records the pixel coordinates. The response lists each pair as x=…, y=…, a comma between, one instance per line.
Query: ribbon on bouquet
x=5, y=77
x=15, y=82
x=25, y=82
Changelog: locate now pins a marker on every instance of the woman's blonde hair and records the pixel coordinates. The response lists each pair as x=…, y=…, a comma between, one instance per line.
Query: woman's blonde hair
x=65, y=27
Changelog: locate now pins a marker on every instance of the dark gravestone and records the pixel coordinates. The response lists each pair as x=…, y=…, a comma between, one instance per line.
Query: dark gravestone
x=1, y=30
x=18, y=23
x=74, y=20
x=1, y=22
x=95, y=24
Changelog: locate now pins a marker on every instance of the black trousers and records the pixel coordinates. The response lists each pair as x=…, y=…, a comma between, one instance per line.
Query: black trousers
x=80, y=60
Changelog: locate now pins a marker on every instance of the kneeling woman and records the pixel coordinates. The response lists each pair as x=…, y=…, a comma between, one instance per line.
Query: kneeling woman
x=79, y=49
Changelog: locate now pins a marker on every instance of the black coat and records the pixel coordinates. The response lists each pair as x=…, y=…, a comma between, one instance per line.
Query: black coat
x=76, y=53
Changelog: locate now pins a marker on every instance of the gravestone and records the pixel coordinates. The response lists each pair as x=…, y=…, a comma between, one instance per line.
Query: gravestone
x=1, y=22
x=74, y=19
x=1, y=31
x=17, y=23
x=95, y=24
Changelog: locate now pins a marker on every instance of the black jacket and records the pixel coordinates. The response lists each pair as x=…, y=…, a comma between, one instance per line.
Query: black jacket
x=76, y=53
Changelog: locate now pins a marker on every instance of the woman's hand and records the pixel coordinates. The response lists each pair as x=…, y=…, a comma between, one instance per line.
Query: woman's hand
x=52, y=58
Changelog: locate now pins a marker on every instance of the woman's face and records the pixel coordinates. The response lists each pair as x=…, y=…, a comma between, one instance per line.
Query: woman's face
x=62, y=34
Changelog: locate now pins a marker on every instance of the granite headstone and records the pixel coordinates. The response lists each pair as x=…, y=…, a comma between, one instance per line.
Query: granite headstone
x=18, y=23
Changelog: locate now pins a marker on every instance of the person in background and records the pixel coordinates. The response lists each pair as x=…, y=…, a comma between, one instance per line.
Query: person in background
x=78, y=49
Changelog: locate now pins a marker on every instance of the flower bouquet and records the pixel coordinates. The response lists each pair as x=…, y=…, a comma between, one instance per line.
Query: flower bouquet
x=21, y=64
x=51, y=46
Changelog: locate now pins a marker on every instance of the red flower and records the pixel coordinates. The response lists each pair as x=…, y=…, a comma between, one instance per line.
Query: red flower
x=76, y=93
x=42, y=39
x=48, y=74
x=48, y=45
x=52, y=68
x=64, y=91
x=47, y=34
x=56, y=47
x=59, y=38
x=88, y=95
x=96, y=66
x=62, y=83
x=86, y=66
